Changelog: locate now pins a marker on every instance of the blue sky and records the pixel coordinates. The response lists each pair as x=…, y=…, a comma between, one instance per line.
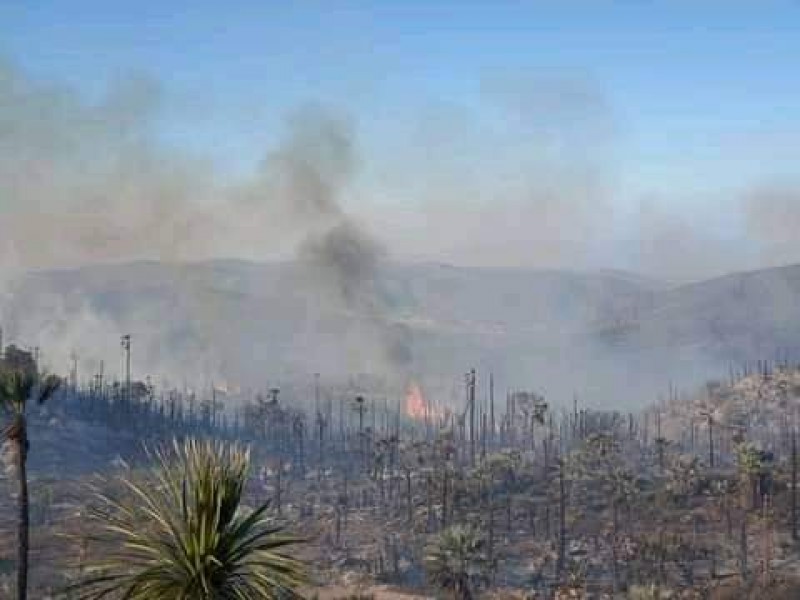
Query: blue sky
x=694, y=100
x=670, y=69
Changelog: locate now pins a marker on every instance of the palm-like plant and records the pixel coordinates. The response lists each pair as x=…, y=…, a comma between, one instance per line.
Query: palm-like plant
x=752, y=465
x=183, y=534
x=21, y=383
x=456, y=561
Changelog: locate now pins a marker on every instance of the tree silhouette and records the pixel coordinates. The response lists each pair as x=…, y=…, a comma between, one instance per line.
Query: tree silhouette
x=21, y=383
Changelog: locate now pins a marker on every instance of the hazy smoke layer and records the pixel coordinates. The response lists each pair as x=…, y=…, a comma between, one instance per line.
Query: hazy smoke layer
x=84, y=183
x=773, y=220
x=533, y=185
x=88, y=182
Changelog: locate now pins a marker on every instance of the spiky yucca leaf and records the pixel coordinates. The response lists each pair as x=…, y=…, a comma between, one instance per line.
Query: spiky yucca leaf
x=182, y=534
x=19, y=385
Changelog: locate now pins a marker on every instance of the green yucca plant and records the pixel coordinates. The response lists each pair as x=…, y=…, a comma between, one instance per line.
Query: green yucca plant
x=182, y=534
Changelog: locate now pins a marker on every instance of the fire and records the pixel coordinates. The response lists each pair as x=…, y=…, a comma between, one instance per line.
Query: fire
x=416, y=406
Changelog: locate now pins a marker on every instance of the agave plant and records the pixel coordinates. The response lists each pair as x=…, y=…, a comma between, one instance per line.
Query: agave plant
x=183, y=534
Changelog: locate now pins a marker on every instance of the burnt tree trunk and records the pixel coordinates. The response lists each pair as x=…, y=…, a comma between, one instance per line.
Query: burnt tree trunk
x=710, y=442
x=614, y=535
x=562, y=521
x=743, y=549
x=19, y=438
x=444, y=498
x=409, y=499
x=794, y=485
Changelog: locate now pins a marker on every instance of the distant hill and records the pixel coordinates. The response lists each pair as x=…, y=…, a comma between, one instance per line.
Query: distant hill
x=738, y=317
x=602, y=334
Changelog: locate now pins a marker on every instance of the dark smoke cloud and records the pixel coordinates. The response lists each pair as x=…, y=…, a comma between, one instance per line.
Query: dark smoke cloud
x=84, y=182
x=313, y=167
x=349, y=259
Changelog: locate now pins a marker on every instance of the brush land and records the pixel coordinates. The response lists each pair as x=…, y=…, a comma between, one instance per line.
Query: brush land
x=692, y=496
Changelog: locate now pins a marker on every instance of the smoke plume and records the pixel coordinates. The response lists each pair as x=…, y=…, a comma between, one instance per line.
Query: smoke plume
x=532, y=181
x=90, y=182
x=312, y=168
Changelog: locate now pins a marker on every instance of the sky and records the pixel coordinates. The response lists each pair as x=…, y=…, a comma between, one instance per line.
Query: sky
x=656, y=136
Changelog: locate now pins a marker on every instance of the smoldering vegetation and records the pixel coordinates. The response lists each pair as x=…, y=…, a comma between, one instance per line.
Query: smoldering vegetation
x=693, y=495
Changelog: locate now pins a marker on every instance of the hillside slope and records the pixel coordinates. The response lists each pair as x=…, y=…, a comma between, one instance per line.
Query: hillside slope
x=601, y=334
x=738, y=317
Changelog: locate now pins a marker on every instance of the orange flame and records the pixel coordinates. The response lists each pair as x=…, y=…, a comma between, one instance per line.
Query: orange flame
x=416, y=406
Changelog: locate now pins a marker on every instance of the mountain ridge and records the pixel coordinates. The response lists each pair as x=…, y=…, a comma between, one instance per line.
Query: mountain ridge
x=252, y=321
